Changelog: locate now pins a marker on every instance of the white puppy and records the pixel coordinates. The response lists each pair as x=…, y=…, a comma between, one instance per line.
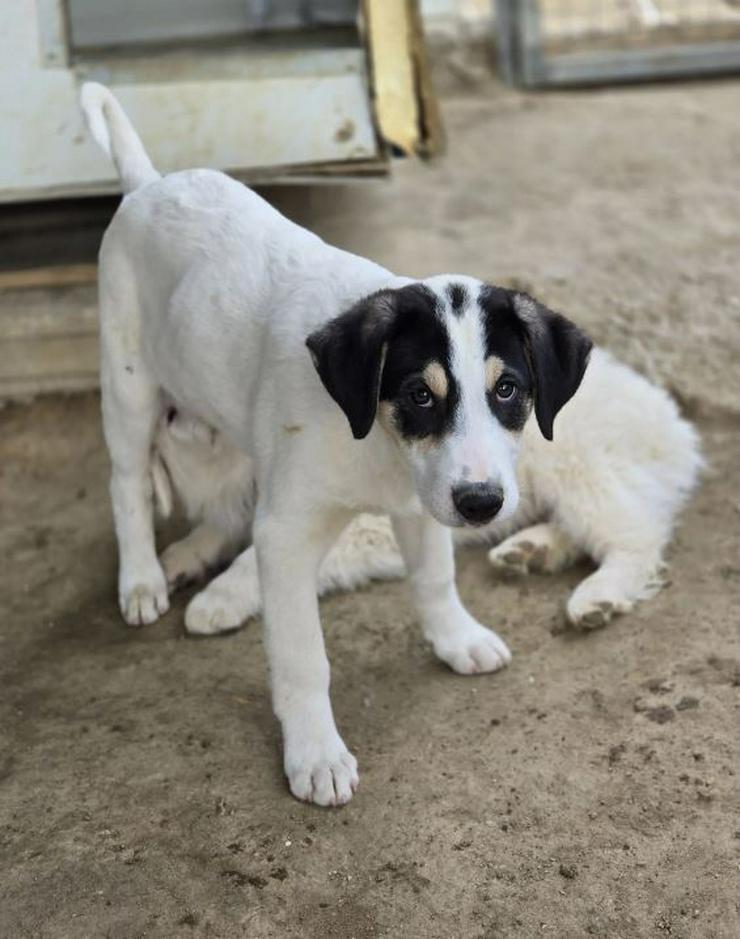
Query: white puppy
x=348, y=388
x=608, y=487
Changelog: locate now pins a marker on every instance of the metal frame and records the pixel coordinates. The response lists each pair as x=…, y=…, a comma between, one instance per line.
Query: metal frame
x=53, y=32
x=522, y=60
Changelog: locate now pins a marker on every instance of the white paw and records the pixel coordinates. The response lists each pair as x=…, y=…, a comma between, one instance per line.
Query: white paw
x=542, y=548
x=222, y=606
x=182, y=564
x=521, y=557
x=322, y=771
x=614, y=589
x=590, y=608
x=472, y=649
x=144, y=599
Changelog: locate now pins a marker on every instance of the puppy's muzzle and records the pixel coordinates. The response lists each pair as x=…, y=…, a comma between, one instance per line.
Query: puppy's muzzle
x=478, y=503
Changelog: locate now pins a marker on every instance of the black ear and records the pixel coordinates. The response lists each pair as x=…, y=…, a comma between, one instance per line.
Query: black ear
x=558, y=353
x=348, y=353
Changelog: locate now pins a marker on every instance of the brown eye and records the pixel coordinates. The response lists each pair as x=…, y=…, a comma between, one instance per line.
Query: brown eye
x=421, y=396
x=505, y=389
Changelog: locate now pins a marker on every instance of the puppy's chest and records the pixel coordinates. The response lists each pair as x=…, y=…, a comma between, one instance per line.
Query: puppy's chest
x=377, y=482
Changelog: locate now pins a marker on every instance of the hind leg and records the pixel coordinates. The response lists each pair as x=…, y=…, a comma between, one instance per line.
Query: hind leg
x=229, y=599
x=130, y=405
x=190, y=558
x=623, y=578
x=366, y=550
x=130, y=408
x=542, y=548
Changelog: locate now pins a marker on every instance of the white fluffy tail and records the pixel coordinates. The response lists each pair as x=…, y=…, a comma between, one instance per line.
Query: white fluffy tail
x=114, y=133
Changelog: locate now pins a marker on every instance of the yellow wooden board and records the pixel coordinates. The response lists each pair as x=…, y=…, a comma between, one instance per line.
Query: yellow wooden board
x=405, y=107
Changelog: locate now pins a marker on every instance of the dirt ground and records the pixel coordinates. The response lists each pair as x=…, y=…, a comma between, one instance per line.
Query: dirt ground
x=591, y=789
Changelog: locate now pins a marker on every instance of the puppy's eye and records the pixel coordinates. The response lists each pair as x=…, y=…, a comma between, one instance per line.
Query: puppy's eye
x=505, y=389
x=421, y=396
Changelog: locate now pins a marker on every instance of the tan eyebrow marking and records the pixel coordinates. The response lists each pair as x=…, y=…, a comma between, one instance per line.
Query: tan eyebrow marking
x=436, y=378
x=494, y=371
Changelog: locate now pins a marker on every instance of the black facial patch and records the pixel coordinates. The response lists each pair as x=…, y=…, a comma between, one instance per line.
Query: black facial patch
x=504, y=337
x=418, y=338
x=458, y=297
x=536, y=342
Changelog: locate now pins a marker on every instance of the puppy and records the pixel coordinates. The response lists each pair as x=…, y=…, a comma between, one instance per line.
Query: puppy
x=348, y=388
x=609, y=487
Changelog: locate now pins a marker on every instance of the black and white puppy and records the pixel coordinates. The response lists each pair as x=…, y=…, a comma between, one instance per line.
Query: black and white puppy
x=211, y=301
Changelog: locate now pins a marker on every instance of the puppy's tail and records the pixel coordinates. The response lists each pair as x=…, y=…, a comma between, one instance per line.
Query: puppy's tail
x=114, y=133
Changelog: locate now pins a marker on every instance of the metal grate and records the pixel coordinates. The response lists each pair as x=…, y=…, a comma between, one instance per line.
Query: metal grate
x=570, y=41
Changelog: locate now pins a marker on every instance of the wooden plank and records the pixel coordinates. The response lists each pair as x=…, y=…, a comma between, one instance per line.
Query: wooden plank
x=432, y=141
x=394, y=95
x=405, y=107
x=63, y=275
x=48, y=340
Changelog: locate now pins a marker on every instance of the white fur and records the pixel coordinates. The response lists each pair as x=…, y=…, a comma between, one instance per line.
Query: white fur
x=113, y=133
x=620, y=467
x=207, y=296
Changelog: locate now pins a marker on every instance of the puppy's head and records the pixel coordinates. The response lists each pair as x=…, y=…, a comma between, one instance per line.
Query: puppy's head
x=452, y=368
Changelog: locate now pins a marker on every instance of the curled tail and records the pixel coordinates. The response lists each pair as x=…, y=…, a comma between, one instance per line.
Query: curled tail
x=114, y=133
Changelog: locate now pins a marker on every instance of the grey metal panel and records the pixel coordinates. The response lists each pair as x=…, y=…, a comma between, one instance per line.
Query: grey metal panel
x=530, y=56
x=524, y=61
x=638, y=64
x=95, y=23
x=505, y=43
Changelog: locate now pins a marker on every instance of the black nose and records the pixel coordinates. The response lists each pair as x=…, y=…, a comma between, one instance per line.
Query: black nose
x=478, y=503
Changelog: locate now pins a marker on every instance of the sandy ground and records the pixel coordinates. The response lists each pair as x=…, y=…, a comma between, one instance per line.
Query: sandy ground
x=590, y=789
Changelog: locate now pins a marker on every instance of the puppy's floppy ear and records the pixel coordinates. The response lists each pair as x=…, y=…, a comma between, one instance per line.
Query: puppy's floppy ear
x=558, y=353
x=349, y=352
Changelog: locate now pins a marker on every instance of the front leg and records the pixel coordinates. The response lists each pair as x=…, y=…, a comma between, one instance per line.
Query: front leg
x=456, y=637
x=318, y=765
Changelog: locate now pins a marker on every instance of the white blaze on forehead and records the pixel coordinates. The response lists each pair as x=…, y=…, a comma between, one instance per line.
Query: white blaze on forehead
x=436, y=378
x=473, y=423
x=468, y=355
